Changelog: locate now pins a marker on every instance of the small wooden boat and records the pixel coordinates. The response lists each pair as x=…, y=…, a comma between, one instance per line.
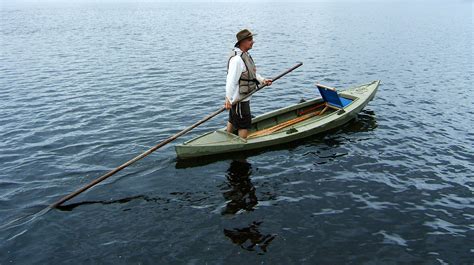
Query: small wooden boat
x=287, y=124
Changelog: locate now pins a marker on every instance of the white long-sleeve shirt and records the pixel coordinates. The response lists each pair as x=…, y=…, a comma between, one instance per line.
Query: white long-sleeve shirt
x=236, y=68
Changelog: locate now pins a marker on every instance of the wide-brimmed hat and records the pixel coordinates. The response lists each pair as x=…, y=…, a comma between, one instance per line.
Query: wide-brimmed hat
x=243, y=34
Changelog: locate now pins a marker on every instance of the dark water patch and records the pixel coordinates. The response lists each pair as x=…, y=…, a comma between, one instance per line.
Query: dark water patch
x=70, y=207
x=250, y=238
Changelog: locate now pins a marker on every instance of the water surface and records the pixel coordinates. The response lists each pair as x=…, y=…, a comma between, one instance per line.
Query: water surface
x=87, y=86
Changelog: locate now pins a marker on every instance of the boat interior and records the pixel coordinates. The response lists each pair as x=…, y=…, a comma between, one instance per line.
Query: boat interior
x=314, y=109
x=278, y=121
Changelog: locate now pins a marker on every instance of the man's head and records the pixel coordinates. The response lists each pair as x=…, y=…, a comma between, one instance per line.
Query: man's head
x=244, y=40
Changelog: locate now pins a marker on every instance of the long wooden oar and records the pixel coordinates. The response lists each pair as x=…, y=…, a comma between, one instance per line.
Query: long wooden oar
x=287, y=123
x=151, y=150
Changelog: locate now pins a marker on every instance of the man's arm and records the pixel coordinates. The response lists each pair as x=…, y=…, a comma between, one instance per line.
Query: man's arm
x=232, y=81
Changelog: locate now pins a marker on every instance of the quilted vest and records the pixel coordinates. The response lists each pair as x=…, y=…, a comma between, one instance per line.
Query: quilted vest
x=248, y=79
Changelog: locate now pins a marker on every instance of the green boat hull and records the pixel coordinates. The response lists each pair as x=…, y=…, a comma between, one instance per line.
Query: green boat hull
x=220, y=141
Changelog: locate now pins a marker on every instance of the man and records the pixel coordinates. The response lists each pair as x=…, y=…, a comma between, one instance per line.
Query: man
x=242, y=78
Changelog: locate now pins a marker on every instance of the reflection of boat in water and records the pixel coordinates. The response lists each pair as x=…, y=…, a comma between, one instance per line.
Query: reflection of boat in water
x=286, y=124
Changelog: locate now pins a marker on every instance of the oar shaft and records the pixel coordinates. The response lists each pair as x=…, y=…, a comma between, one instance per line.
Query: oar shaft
x=135, y=159
x=151, y=150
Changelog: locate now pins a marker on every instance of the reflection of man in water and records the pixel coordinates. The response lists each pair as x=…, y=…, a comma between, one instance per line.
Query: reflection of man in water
x=241, y=192
x=241, y=196
x=250, y=238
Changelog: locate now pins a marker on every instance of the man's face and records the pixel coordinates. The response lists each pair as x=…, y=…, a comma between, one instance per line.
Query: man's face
x=247, y=44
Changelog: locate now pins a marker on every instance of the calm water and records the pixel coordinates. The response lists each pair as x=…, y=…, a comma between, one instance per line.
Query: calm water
x=85, y=87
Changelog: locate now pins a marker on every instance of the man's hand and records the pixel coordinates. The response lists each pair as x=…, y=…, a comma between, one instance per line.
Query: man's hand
x=267, y=82
x=227, y=104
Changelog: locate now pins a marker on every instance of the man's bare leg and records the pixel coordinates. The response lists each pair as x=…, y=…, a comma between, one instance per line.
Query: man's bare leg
x=243, y=133
x=230, y=128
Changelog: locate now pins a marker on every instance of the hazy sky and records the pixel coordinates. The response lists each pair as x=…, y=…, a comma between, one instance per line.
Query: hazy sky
x=236, y=1
x=5, y=3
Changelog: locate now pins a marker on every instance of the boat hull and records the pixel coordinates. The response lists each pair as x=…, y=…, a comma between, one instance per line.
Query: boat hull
x=220, y=141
